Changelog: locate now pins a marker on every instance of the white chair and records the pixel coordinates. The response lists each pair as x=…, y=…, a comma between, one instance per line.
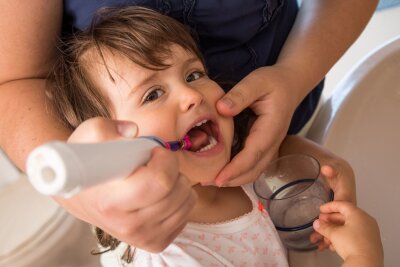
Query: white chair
x=361, y=123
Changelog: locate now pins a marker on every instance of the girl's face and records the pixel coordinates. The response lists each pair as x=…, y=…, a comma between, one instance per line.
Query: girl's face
x=170, y=104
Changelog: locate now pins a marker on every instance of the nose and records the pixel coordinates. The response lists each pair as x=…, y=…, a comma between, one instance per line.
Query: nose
x=189, y=98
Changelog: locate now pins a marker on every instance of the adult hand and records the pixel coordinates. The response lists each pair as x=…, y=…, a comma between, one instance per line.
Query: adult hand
x=269, y=93
x=355, y=235
x=149, y=208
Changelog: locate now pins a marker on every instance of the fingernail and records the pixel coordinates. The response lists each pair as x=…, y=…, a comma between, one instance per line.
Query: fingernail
x=313, y=240
x=207, y=183
x=127, y=129
x=316, y=224
x=220, y=183
x=227, y=102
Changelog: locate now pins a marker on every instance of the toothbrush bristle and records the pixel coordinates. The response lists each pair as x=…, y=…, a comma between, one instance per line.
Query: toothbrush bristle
x=187, y=144
x=184, y=144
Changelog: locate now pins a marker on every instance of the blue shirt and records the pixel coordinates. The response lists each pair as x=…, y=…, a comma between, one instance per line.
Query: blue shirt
x=235, y=36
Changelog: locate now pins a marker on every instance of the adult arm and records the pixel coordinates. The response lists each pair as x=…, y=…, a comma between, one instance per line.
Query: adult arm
x=322, y=32
x=28, y=34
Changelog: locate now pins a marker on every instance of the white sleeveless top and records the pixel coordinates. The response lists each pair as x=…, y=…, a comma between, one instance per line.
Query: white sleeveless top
x=249, y=240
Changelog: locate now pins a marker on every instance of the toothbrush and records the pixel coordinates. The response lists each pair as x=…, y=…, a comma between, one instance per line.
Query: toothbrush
x=63, y=169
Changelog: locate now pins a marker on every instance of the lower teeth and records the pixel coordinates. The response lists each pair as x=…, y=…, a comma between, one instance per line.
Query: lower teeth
x=212, y=142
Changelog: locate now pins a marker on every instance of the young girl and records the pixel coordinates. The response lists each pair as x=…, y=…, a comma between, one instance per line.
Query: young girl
x=137, y=65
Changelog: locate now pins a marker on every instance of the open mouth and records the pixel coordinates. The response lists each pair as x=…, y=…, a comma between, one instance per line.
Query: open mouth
x=203, y=136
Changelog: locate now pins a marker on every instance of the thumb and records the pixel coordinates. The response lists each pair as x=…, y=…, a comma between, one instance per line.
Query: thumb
x=236, y=100
x=127, y=129
x=324, y=228
x=101, y=129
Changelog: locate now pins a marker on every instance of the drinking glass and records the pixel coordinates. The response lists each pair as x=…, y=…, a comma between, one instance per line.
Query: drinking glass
x=291, y=189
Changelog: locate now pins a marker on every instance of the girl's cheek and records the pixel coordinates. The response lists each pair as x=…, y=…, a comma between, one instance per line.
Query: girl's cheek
x=159, y=130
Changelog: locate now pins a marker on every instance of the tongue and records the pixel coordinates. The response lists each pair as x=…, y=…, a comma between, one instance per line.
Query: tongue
x=199, y=139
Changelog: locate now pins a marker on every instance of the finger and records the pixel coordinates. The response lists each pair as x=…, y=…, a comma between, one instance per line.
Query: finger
x=316, y=237
x=335, y=218
x=340, y=177
x=169, y=239
x=327, y=242
x=159, y=235
x=151, y=226
x=175, y=233
x=150, y=232
x=181, y=214
x=237, y=99
x=181, y=195
x=242, y=179
x=329, y=172
x=324, y=228
x=157, y=244
x=343, y=207
x=244, y=167
x=320, y=240
x=238, y=166
x=252, y=160
x=159, y=176
x=102, y=129
x=322, y=246
x=127, y=129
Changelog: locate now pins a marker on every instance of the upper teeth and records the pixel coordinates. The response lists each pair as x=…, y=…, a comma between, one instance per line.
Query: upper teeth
x=201, y=123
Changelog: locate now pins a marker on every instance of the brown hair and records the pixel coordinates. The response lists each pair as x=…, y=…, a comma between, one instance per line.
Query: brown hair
x=140, y=34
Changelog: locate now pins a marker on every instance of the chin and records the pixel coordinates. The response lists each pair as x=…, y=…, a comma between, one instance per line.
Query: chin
x=201, y=175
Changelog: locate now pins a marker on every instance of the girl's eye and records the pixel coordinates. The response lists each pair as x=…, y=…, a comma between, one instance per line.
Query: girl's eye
x=194, y=76
x=153, y=95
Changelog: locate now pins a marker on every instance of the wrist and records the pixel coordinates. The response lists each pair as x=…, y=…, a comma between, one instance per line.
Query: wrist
x=293, y=81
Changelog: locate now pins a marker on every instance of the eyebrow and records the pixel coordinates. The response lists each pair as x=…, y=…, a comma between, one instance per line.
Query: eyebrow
x=190, y=61
x=151, y=77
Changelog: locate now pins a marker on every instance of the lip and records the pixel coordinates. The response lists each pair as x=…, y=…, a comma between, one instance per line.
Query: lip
x=215, y=128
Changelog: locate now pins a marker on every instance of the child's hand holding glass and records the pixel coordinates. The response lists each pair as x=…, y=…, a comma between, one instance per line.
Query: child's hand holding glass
x=337, y=171
x=353, y=234
x=340, y=178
